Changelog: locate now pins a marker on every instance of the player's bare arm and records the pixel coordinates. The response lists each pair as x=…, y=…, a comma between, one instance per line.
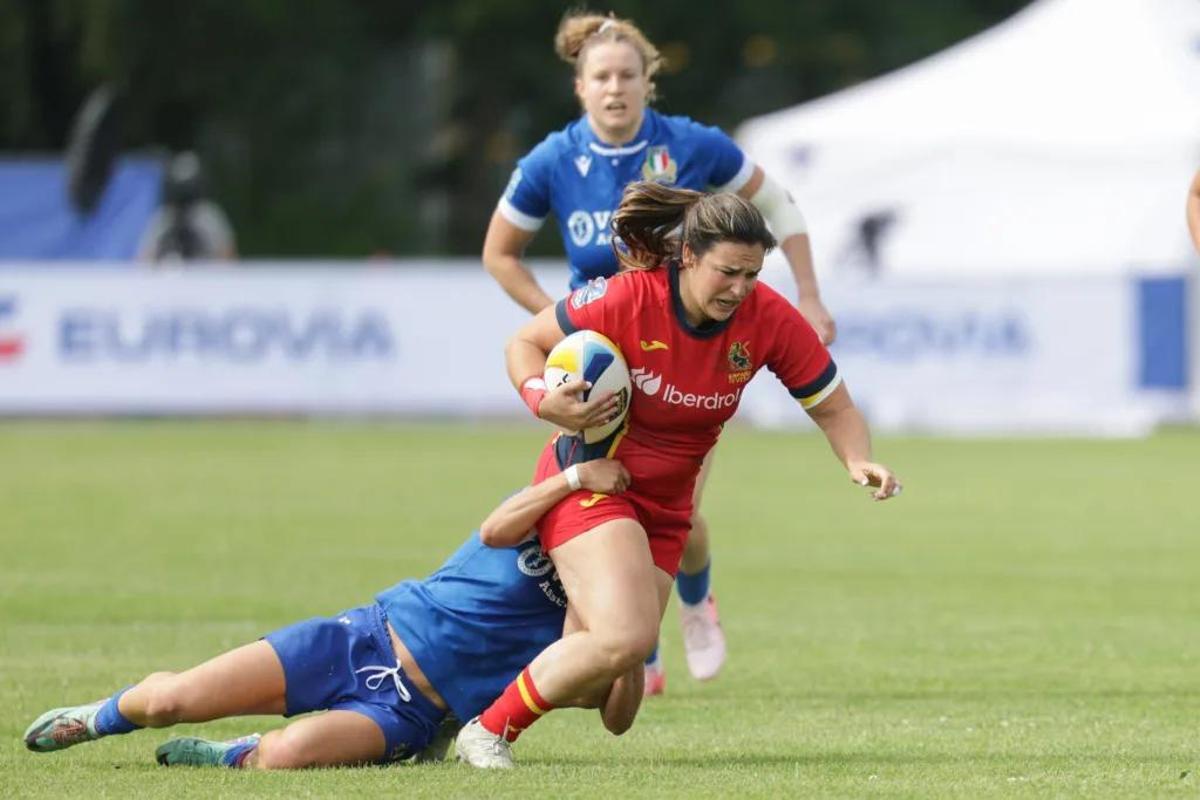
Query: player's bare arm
x=503, y=251
x=843, y=425
x=788, y=225
x=511, y=522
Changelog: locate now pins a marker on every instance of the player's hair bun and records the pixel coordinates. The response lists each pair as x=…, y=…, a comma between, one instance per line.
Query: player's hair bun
x=579, y=30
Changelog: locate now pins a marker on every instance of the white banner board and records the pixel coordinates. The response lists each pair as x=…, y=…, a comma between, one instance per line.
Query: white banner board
x=428, y=339
x=991, y=355
x=323, y=340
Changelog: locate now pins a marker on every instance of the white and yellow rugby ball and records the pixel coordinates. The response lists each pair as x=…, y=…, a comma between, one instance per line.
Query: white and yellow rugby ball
x=593, y=357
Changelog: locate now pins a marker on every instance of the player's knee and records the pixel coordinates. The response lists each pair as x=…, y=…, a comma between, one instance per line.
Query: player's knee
x=625, y=648
x=164, y=700
x=282, y=751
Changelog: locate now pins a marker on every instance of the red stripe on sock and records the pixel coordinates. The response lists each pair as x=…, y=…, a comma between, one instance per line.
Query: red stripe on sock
x=515, y=710
x=534, y=694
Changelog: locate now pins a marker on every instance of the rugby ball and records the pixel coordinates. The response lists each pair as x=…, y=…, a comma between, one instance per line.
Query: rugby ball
x=593, y=357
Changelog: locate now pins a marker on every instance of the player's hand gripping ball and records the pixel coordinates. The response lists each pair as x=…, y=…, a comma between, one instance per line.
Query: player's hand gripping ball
x=592, y=357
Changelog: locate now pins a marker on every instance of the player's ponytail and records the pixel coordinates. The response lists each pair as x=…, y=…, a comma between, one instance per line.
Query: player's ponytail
x=653, y=222
x=646, y=224
x=580, y=30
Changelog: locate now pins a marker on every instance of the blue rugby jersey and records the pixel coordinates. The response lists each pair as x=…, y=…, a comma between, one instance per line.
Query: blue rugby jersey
x=580, y=178
x=473, y=625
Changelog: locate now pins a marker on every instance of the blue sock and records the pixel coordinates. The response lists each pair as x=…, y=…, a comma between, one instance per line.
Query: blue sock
x=653, y=657
x=693, y=588
x=109, y=719
x=234, y=756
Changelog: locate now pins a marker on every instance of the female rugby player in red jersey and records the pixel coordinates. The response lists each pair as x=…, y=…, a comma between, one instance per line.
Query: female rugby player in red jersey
x=694, y=326
x=578, y=174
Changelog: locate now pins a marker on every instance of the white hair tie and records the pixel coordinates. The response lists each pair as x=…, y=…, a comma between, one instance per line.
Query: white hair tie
x=608, y=23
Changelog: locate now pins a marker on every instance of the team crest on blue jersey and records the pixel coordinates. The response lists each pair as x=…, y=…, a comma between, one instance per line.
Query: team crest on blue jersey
x=595, y=289
x=659, y=166
x=533, y=562
x=536, y=564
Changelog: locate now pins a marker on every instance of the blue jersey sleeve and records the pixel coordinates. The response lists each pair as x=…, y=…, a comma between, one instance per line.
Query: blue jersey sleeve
x=526, y=200
x=730, y=169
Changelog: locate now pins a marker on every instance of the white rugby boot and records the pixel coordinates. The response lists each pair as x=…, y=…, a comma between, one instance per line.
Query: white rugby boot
x=481, y=748
x=703, y=639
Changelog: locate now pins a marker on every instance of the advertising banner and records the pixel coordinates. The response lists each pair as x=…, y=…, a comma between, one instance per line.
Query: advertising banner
x=1097, y=355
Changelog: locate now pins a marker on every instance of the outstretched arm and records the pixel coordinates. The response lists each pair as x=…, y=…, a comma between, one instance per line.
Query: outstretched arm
x=843, y=425
x=512, y=521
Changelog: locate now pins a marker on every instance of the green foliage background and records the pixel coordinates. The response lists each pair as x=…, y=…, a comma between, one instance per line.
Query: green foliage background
x=356, y=127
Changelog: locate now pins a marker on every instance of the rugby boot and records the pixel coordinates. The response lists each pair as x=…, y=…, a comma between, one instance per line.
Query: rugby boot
x=481, y=748
x=703, y=639
x=192, y=751
x=61, y=728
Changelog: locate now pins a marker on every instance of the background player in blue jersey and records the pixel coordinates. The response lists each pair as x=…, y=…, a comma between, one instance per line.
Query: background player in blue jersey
x=386, y=673
x=578, y=174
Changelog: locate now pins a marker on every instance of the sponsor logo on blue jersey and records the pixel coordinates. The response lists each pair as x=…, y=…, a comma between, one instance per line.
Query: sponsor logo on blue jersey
x=590, y=228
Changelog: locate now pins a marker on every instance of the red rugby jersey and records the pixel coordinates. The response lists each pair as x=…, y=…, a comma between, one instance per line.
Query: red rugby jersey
x=688, y=381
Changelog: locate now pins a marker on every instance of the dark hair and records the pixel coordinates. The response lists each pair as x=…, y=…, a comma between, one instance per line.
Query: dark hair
x=653, y=222
x=579, y=30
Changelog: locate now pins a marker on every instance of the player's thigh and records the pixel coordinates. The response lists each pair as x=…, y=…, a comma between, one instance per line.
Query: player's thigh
x=610, y=577
x=327, y=739
x=702, y=479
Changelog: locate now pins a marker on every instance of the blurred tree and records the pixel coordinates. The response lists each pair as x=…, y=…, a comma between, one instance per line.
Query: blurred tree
x=353, y=128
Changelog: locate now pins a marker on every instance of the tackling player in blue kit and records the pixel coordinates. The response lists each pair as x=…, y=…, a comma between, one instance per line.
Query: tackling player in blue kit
x=578, y=174
x=388, y=675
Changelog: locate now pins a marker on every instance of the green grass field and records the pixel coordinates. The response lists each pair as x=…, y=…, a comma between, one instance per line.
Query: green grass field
x=1023, y=622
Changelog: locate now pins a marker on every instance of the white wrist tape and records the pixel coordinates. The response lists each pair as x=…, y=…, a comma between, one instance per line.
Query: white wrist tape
x=779, y=209
x=571, y=473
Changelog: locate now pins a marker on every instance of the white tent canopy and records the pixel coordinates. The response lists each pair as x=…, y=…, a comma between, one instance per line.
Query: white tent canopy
x=1062, y=140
